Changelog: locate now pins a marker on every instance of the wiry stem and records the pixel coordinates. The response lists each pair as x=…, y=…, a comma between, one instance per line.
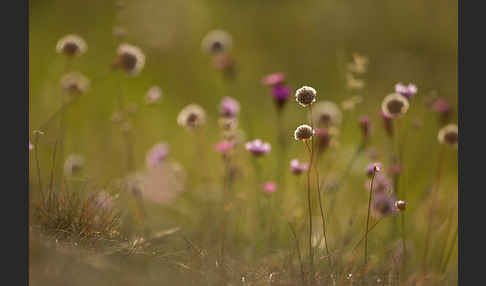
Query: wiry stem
x=368, y=218
x=311, y=254
x=449, y=253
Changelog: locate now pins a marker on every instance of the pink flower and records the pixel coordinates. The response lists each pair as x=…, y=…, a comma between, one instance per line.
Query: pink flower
x=31, y=146
x=224, y=146
x=269, y=187
x=157, y=154
x=408, y=91
x=274, y=79
x=257, y=147
x=229, y=107
x=298, y=168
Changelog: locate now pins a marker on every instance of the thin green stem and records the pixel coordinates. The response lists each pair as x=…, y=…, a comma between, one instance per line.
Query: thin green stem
x=311, y=253
x=368, y=218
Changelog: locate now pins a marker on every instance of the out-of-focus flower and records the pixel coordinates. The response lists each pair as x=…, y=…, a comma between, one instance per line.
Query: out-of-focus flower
x=381, y=184
x=280, y=94
x=394, y=105
x=396, y=169
x=354, y=83
x=359, y=64
x=31, y=146
x=387, y=123
x=257, y=147
x=373, y=168
x=326, y=114
x=217, y=42
x=75, y=83
x=73, y=165
x=71, y=45
x=305, y=95
x=274, y=79
x=269, y=187
x=229, y=107
x=224, y=146
x=192, y=116
x=443, y=107
x=154, y=95
x=364, y=124
x=384, y=205
x=449, y=134
x=130, y=58
x=323, y=138
x=157, y=154
x=103, y=201
x=350, y=103
x=303, y=132
x=132, y=108
x=119, y=32
x=401, y=205
x=228, y=124
x=117, y=117
x=408, y=91
x=164, y=183
x=225, y=63
x=297, y=167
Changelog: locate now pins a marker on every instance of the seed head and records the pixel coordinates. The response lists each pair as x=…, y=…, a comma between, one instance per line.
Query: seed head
x=401, y=205
x=130, y=58
x=71, y=45
x=394, y=105
x=449, y=135
x=75, y=83
x=305, y=95
x=217, y=42
x=303, y=132
x=192, y=116
x=326, y=114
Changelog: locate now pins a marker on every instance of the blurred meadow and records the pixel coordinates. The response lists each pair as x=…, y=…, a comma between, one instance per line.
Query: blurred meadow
x=204, y=216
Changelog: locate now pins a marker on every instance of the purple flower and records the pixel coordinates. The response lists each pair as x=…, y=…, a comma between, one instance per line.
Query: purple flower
x=370, y=169
x=384, y=205
x=381, y=184
x=274, y=79
x=257, y=147
x=224, y=146
x=269, y=187
x=229, y=107
x=406, y=90
x=281, y=92
x=298, y=168
x=157, y=154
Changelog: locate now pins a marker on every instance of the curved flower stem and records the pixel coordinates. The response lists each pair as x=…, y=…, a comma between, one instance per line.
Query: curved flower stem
x=368, y=218
x=404, y=262
x=311, y=253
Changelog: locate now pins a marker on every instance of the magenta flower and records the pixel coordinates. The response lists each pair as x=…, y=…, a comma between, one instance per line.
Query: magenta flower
x=274, y=79
x=157, y=154
x=257, y=147
x=269, y=187
x=280, y=93
x=298, y=168
x=408, y=91
x=224, y=146
x=229, y=107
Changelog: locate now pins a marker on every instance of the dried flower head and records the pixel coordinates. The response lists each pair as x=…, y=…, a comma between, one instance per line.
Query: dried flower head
x=274, y=79
x=71, y=45
x=130, y=58
x=157, y=154
x=154, y=95
x=257, y=147
x=305, y=95
x=326, y=114
x=297, y=167
x=216, y=42
x=269, y=187
x=373, y=168
x=303, y=132
x=449, y=134
x=229, y=107
x=408, y=91
x=401, y=205
x=75, y=83
x=192, y=116
x=73, y=165
x=394, y=105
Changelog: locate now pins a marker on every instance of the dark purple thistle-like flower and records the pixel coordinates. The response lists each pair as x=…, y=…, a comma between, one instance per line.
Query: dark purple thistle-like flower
x=408, y=91
x=229, y=107
x=281, y=94
x=274, y=79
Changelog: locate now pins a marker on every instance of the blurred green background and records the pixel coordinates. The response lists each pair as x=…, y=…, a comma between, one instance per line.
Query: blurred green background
x=309, y=40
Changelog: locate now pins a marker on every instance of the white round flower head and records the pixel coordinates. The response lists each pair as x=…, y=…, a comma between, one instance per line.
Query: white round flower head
x=71, y=45
x=449, y=134
x=75, y=83
x=327, y=114
x=305, y=95
x=73, y=164
x=153, y=96
x=216, y=42
x=192, y=116
x=394, y=105
x=130, y=58
x=303, y=132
